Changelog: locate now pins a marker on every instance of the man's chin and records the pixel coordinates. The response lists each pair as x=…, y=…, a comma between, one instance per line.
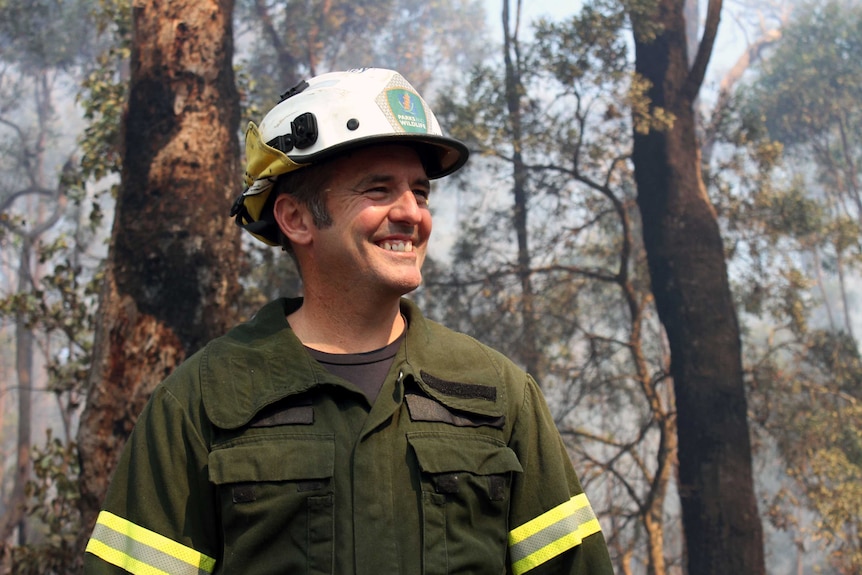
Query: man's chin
x=406, y=287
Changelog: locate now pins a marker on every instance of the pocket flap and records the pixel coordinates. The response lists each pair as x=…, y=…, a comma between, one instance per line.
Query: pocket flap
x=275, y=459
x=451, y=452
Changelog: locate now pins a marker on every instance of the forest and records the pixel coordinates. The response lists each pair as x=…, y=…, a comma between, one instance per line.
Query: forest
x=661, y=221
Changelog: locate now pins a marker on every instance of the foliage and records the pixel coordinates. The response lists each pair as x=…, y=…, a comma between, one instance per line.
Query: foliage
x=53, y=495
x=787, y=194
x=42, y=34
x=103, y=95
x=61, y=307
x=61, y=301
x=574, y=137
x=807, y=97
x=811, y=407
x=810, y=81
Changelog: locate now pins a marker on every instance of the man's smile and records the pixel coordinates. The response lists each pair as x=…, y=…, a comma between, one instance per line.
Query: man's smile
x=397, y=245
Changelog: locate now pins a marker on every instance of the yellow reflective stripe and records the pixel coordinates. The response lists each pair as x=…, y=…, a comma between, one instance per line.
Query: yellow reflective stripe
x=122, y=560
x=143, y=552
x=552, y=533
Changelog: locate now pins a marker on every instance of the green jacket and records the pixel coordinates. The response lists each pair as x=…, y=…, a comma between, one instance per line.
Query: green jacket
x=252, y=458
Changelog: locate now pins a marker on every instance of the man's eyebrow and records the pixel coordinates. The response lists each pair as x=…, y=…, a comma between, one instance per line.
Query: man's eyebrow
x=372, y=179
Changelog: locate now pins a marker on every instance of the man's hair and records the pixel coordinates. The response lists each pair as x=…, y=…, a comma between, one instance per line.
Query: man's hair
x=308, y=187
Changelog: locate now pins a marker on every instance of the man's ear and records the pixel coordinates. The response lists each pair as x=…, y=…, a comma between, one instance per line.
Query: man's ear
x=294, y=219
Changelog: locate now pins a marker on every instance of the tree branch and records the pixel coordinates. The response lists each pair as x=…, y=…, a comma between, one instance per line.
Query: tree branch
x=704, y=51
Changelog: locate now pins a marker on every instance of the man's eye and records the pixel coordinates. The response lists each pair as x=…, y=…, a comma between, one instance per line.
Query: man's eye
x=376, y=192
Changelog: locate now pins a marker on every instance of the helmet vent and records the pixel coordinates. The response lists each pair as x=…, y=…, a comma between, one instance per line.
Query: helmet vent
x=352, y=124
x=294, y=91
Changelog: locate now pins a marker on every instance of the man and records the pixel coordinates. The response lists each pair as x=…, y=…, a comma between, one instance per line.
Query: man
x=343, y=432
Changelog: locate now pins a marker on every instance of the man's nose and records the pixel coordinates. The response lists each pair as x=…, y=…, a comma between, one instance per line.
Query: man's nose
x=406, y=208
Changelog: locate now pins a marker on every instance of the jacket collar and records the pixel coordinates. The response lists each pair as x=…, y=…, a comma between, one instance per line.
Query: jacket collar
x=262, y=361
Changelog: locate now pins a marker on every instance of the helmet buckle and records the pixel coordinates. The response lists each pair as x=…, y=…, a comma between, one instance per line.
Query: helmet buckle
x=238, y=206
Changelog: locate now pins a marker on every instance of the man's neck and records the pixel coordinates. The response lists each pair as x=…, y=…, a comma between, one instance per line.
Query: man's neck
x=346, y=327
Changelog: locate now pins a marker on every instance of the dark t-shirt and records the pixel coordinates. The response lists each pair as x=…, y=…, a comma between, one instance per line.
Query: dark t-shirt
x=367, y=371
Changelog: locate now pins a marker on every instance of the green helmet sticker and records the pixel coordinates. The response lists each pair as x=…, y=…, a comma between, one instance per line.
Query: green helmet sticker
x=408, y=110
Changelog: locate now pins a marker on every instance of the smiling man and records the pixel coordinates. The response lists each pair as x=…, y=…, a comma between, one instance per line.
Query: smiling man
x=342, y=432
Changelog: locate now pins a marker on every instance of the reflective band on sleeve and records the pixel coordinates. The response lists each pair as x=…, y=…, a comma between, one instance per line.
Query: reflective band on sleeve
x=551, y=533
x=143, y=552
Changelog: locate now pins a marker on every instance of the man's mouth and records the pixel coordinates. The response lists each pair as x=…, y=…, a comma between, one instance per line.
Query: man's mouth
x=397, y=245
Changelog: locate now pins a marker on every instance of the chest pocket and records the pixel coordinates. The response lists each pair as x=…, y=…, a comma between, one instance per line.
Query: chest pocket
x=277, y=503
x=465, y=482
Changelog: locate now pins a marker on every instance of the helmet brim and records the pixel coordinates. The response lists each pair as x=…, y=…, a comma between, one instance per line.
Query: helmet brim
x=440, y=155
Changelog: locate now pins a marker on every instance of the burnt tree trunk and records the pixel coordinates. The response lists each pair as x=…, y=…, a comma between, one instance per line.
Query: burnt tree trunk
x=172, y=272
x=686, y=259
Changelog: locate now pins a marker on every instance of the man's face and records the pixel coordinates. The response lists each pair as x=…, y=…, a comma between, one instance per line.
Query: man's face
x=378, y=200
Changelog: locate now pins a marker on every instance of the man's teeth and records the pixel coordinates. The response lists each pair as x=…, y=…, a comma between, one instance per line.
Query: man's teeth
x=397, y=246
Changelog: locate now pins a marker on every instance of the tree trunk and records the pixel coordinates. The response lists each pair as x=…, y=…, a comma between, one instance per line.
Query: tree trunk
x=16, y=505
x=172, y=270
x=520, y=210
x=689, y=280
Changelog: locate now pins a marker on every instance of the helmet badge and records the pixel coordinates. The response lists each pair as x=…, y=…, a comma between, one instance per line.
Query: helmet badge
x=408, y=110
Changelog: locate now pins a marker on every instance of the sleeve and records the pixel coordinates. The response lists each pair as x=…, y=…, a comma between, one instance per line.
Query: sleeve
x=159, y=515
x=554, y=528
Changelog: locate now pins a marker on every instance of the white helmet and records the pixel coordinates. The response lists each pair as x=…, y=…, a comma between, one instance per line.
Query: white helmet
x=329, y=114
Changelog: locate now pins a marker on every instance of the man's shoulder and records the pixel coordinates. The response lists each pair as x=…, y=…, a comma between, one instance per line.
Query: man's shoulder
x=457, y=352
x=250, y=338
x=460, y=342
x=246, y=357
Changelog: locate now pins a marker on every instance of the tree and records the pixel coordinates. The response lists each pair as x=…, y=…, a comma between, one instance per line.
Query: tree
x=172, y=272
x=689, y=280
